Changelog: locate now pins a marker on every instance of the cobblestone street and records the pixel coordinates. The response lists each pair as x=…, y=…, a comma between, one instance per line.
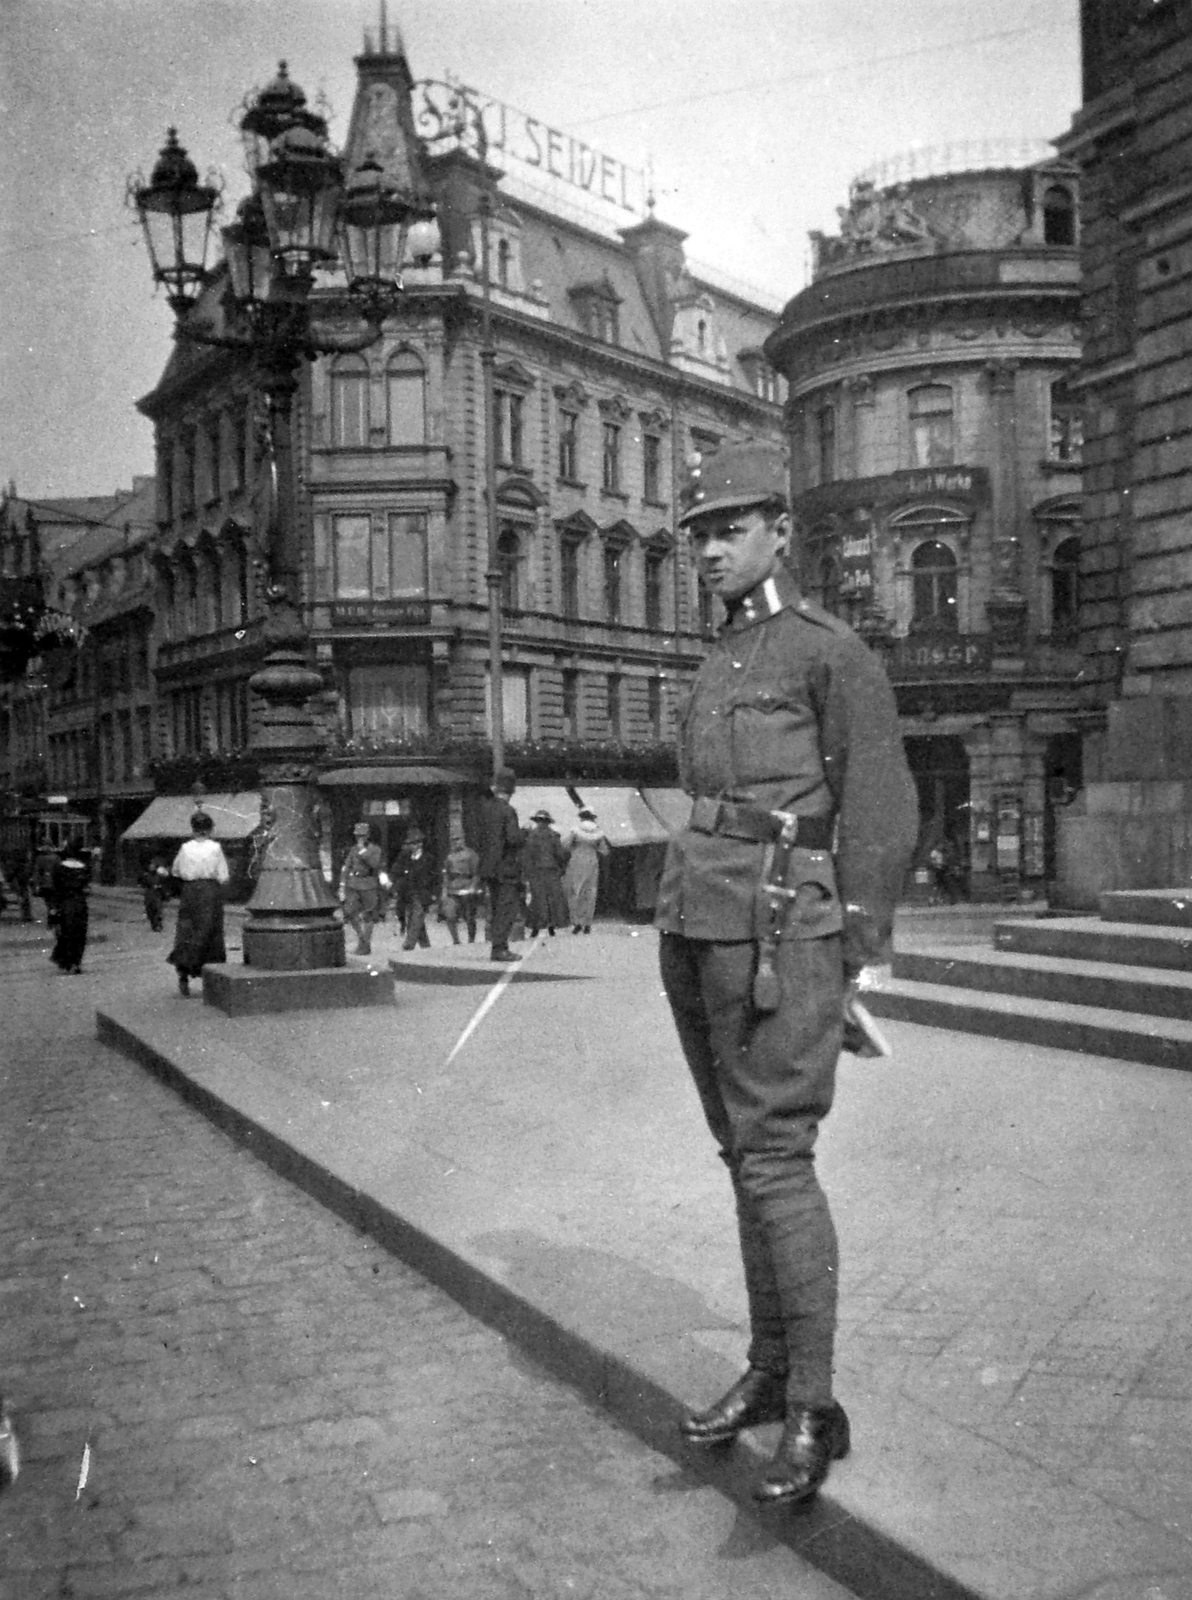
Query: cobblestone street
x=225, y=1393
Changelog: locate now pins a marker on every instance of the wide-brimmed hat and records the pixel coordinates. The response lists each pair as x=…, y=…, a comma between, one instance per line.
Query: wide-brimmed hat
x=542, y=816
x=588, y=816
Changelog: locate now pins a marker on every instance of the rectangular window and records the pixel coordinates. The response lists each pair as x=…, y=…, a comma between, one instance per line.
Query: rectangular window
x=214, y=458
x=654, y=708
x=615, y=704
x=239, y=462
x=352, y=558
x=187, y=485
x=515, y=702
x=389, y=702
x=655, y=564
x=1066, y=439
x=571, y=729
x=144, y=741
x=125, y=756
x=569, y=446
x=569, y=563
x=349, y=405
x=825, y=419
x=407, y=553
x=611, y=458
x=652, y=468
x=931, y=425
x=614, y=561
x=510, y=423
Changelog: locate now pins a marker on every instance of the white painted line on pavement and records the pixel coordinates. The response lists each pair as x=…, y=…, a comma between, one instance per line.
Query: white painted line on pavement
x=490, y=1000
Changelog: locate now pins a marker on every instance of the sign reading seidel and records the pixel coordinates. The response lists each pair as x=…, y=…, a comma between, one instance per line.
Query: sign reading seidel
x=460, y=114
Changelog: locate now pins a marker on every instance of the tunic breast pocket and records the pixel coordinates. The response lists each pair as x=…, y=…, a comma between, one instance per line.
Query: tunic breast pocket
x=774, y=738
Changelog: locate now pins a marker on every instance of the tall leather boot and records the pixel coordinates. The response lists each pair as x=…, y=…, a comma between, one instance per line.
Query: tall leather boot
x=813, y=1438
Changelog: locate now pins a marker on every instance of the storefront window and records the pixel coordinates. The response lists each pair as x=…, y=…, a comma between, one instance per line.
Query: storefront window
x=390, y=701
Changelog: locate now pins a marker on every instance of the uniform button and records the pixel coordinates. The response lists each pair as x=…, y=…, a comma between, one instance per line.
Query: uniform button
x=738, y=665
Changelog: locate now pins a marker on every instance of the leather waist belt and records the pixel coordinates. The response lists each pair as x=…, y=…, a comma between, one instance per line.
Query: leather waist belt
x=736, y=821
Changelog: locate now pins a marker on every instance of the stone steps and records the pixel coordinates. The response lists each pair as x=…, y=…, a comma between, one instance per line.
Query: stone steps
x=1102, y=984
x=1136, y=944
x=1092, y=1030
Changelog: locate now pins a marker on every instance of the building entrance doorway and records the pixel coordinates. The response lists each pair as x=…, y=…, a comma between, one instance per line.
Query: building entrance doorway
x=940, y=768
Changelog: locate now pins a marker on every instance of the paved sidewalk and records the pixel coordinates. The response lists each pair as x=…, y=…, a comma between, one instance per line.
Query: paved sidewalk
x=1016, y=1281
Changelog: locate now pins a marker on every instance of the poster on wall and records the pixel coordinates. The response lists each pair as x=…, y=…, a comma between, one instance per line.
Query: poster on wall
x=1009, y=833
x=856, y=555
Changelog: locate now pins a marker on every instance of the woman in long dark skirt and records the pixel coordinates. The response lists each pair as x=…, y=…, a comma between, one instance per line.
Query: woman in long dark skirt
x=202, y=869
x=69, y=878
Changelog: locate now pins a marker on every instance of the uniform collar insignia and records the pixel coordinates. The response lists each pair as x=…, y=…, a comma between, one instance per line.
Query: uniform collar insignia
x=772, y=595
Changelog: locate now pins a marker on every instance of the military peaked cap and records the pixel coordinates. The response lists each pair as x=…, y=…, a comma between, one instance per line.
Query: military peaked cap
x=736, y=475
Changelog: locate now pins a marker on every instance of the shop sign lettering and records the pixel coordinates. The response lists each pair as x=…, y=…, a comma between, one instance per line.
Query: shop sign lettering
x=942, y=658
x=381, y=613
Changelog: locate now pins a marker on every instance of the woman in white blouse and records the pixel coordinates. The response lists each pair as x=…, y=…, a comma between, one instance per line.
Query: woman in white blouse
x=202, y=868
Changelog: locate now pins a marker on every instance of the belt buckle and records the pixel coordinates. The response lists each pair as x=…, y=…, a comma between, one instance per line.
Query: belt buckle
x=790, y=826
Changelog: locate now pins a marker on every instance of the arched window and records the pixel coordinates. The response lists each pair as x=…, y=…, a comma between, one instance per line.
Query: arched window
x=503, y=253
x=509, y=565
x=405, y=391
x=930, y=408
x=1059, y=215
x=933, y=581
x=349, y=403
x=188, y=599
x=213, y=573
x=1065, y=587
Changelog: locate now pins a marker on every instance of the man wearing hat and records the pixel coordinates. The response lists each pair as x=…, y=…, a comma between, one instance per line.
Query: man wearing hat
x=779, y=890
x=500, y=863
x=414, y=876
x=362, y=886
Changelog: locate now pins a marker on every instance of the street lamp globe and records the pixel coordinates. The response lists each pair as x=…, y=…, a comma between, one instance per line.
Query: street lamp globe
x=248, y=254
x=300, y=187
x=373, y=221
x=176, y=212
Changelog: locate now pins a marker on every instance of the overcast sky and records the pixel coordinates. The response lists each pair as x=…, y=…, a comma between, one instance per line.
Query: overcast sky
x=752, y=115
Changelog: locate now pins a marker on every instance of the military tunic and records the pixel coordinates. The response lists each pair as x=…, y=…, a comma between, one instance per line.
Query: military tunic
x=790, y=712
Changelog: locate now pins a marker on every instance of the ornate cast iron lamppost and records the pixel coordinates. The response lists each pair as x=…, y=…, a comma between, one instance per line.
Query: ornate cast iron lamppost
x=301, y=217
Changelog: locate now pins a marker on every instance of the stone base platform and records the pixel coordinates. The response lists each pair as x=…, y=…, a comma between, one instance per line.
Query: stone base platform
x=240, y=991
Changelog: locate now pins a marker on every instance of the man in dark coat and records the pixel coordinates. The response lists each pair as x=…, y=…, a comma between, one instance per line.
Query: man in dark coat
x=414, y=876
x=776, y=894
x=500, y=862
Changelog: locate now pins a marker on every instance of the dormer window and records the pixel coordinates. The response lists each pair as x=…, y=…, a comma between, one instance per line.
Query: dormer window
x=598, y=306
x=760, y=376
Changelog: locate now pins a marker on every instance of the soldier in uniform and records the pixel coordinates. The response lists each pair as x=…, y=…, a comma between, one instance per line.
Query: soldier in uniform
x=779, y=890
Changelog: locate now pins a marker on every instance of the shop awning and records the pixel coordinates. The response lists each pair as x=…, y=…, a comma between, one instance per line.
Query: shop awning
x=624, y=816
x=393, y=778
x=545, y=798
x=168, y=816
x=671, y=806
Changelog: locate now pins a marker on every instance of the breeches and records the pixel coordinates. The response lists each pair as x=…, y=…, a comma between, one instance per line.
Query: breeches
x=766, y=1081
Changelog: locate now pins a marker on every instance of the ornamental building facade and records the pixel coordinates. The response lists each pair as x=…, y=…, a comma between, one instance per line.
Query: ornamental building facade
x=1131, y=825
x=936, y=440
x=613, y=358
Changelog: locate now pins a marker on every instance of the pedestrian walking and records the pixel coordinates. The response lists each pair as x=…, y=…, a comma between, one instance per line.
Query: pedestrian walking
x=586, y=844
x=67, y=894
x=417, y=879
x=155, y=890
x=361, y=876
x=461, y=888
x=500, y=863
x=544, y=857
x=773, y=897
x=202, y=869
